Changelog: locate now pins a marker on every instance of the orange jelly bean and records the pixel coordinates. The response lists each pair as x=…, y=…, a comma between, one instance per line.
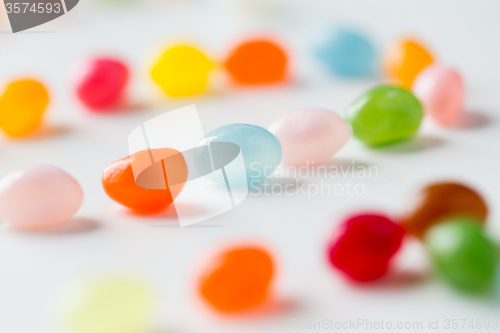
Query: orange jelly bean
x=237, y=279
x=257, y=61
x=120, y=185
x=405, y=59
x=22, y=104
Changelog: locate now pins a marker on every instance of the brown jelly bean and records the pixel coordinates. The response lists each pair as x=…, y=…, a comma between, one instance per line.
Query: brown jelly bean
x=439, y=200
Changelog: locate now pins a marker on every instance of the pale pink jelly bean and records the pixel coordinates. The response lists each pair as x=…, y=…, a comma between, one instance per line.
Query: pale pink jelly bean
x=442, y=92
x=39, y=196
x=310, y=135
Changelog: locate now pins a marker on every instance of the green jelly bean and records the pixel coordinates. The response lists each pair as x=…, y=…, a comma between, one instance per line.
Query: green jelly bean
x=385, y=115
x=497, y=285
x=461, y=252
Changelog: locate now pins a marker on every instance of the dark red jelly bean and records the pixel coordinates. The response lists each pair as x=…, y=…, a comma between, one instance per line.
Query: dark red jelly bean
x=365, y=246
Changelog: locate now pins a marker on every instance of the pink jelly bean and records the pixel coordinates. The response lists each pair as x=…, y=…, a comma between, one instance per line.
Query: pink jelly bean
x=39, y=196
x=310, y=135
x=100, y=83
x=442, y=92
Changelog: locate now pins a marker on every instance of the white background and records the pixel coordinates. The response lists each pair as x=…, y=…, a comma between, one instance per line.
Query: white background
x=105, y=238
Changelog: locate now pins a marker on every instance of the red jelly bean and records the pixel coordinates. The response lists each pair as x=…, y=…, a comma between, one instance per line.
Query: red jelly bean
x=365, y=246
x=100, y=83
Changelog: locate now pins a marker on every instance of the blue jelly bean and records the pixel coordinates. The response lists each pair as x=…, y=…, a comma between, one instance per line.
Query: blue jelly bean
x=260, y=149
x=346, y=53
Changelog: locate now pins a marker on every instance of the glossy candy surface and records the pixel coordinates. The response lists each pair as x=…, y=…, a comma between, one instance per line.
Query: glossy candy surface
x=365, y=245
x=310, y=135
x=238, y=279
x=257, y=61
x=346, y=52
x=436, y=201
x=442, y=92
x=384, y=115
x=461, y=252
x=39, y=196
x=405, y=59
x=100, y=82
x=107, y=305
x=260, y=149
x=22, y=104
x=182, y=70
x=119, y=184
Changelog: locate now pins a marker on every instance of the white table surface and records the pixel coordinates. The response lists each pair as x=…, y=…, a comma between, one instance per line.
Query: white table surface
x=104, y=238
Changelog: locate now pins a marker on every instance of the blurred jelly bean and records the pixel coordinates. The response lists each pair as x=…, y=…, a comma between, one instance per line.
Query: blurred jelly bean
x=309, y=135
x=497, y=286
x=461, y=253
x=436, y=201
x=260, y=149
x=404, y=59
x=257, y=61
x=39, y=196
x=100, y=82
x=237, y=279
x=346, y=53
x=365, y=246
x=182, y=70
x=106, y=305
x=442, y=92
x=120, y=185
x=385, y=115
x=22, y=104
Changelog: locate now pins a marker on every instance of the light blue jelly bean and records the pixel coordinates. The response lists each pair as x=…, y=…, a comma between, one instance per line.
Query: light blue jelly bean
x=346, y=53
x=260, y=149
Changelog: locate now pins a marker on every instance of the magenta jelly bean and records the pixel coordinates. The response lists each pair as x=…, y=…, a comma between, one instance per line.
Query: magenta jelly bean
x=365, y=246
x=100, y=83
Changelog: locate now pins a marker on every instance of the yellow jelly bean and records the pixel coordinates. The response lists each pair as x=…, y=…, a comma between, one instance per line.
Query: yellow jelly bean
x=107, y=305
x=182, y=71
x=22, y=104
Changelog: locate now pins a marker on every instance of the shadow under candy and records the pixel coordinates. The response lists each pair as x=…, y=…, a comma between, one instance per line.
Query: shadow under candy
x=192, y=226
x=77, y=225
x=413, y=145
x=45, y=132
x=264, y=186
x=392, y=280
x=269, y=308
x=168, y=217
x=473, y=120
